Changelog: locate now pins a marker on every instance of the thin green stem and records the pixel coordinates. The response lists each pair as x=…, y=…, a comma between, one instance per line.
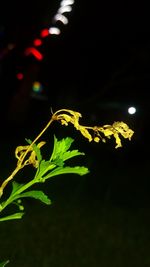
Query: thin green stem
x=18, y=192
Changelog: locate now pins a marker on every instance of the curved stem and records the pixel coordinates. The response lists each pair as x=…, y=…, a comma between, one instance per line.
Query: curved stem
x=20, y=164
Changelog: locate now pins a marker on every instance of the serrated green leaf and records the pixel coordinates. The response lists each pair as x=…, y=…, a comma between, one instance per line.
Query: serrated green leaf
x=70, y=154
x=60, y=147
x=61, y=153
x=37, y=194
x=3, y=264
x=80, y=170
x=14, y=216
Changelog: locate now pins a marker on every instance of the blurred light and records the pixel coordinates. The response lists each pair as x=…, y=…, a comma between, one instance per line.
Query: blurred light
x=62, y=18
x=131, y=110
x=6, y=50
x=37, y=42
x=64, y=9
x=37, y=87
x=67, y=2
x=19, y=76
x=44, y=33
x=11, y=46
x=34, y=52
x=54, y=30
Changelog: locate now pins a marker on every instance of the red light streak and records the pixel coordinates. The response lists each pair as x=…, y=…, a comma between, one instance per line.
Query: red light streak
x=34, y=52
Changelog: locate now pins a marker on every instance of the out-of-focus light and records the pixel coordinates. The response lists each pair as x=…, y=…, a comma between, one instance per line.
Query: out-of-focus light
x=131, y=110
x=67, y=2
x=44, y=33
x=34, y=52
x=11, y=46
x=37, y=42
x=64, y=9
x=37, y=87
x=54, y=30
x=61, y=18
x=19, y=76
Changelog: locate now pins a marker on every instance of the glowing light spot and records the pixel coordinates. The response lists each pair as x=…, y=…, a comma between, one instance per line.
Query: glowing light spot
x=131, y=110
x=20, y=76
x=44, y=33
x=54, y=30
x=34, y=52
x=62, y=18
x=67, y=2
x=37, y=87
x=37, y=42
x=64, y=9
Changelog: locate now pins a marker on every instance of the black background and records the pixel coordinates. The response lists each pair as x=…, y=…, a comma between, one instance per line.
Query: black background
x=98, y=65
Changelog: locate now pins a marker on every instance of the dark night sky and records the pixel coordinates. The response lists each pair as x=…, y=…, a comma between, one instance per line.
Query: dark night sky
x=98, y=65
x=100, y=40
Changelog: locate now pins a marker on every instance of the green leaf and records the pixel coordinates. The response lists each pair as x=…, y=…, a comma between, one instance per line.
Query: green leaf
x=15, y=187
x=36, y=149
x=61, y=153
x=29, y=141
x=12, y=217
x=80, y=170
x=70, y=154
x=60, y=147
x=40, y=195
x=58, y=157
x=58, y=162
x=2, y=264
x=44, y=167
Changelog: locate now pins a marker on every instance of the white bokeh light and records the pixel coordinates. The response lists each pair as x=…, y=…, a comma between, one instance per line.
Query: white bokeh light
x=67, y=2
x=61, y=18
x=64, y=9
x=54, y=30
x=131, y=110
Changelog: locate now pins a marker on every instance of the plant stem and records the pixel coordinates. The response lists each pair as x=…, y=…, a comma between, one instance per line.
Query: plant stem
x=20, y=164
x=18, y=192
